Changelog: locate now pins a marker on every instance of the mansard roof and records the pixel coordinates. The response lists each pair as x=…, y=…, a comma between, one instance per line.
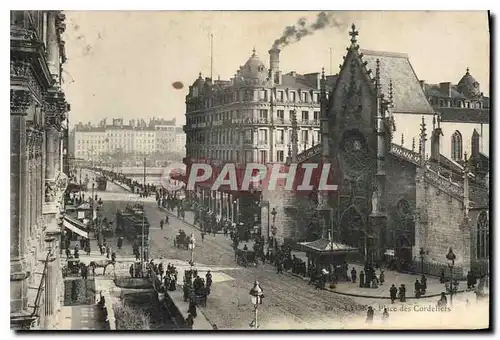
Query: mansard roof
x=464, y=115
x=408, y=95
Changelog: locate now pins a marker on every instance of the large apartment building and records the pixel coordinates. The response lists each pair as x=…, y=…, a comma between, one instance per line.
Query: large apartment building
x=90, y=142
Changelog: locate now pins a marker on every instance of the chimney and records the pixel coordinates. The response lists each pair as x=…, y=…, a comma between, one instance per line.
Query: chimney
x=422, y=84
x=274, y=59
x=274, y=65
x=293, y=73
x=445, y=89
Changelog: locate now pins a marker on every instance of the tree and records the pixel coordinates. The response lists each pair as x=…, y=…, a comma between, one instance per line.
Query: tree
x=128, y=318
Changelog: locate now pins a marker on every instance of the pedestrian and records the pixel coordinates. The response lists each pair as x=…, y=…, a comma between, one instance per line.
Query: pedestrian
x=402, y=293
x=190, y=321
x=87, y=249
x=382, y=277
x=393, y=293
x=113, y=256
x=68, y=253
x=385, y=315
x=417, y=289
x=202, y=236
x=166, y=219
x=108, y=251
x=369, y=314
x=101, y=249
x=161, y=224
x=131, y=270
x=353, y=275
x=423, y=284
x=361, y=279
x=443, y=301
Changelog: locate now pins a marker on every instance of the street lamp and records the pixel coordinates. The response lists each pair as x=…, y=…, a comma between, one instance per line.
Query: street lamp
x=422, y=254
x=273, y=228
x=256, y=296
x=451, y=263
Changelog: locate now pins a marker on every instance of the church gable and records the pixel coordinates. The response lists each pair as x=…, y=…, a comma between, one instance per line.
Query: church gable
x=352, y=98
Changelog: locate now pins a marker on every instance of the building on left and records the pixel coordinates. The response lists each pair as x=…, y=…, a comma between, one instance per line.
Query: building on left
x=38, y=157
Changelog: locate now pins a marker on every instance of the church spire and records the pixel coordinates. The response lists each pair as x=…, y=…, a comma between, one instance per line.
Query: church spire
x=423, y=139
x=353, y=33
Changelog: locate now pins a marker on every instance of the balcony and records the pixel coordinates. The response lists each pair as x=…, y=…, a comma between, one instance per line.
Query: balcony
x=309, y=122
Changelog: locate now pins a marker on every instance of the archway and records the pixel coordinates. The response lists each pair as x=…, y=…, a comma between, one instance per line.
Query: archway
x=352, y=229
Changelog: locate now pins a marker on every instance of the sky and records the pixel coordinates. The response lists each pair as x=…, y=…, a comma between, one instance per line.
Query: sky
x=123, y=63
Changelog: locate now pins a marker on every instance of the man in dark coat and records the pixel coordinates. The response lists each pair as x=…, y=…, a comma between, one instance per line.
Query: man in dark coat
x=353, y=275
x=362, y=279
x=394, y=293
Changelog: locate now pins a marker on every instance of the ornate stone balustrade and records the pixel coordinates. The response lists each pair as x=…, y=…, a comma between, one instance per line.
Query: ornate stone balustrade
x=406, y=154
x=444, y=184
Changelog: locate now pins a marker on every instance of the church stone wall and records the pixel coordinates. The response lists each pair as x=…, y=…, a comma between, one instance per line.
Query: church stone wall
x=439, y=227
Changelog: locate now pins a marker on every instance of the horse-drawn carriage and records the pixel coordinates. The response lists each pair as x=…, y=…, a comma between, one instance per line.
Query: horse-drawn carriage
x=245, y=257
x=182, y=240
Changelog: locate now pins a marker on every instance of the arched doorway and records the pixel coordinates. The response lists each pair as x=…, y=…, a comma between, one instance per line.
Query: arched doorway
x=403, y=251
x=352, y=229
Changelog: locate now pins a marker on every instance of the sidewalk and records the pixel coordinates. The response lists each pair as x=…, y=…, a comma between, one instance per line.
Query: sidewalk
x=434, y=287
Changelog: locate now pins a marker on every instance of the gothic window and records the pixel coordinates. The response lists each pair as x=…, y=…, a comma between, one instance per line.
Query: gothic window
x=354, y=153
x=456, y=146
x=483, y=236
x=475, y=143
x=403, y=208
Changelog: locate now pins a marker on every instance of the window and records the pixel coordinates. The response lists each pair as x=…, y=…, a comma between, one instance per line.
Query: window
x=248, y=156
x=475, y=143
x=456, y=146
x=280, y=156
x=293, y=115
x=248, y=136
x=316, y=115
x=263, y=114
x=280, y=114
x=237, y=155
x=292, y=96
x=304, y=97
x=305, y=136
x=263, y=136
x=263, y=156
x=305, y=116
x=280, y=136
x=483, y=236
x=280, y=96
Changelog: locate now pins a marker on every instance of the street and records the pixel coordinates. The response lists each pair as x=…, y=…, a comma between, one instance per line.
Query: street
x=288, y=300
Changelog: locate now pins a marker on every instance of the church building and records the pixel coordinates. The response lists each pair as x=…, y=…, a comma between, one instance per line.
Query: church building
x=406, y=198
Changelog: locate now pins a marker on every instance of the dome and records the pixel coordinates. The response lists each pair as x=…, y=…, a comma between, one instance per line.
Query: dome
x=468, y=86
x=254, y=69
x=199, y=82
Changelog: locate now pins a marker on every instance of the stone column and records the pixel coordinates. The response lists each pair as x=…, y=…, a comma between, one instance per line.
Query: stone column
x=18, y=284
x=51, y=134
x=52, y=46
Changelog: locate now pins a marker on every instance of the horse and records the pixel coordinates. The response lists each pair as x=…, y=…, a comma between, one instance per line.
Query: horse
x=101, y=264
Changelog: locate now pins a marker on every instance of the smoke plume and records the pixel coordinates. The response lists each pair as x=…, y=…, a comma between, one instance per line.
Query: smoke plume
x=301, y=29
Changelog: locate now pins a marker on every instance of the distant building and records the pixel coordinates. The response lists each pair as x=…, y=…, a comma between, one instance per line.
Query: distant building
x=139, y=138
x=464, y=114
x=180, y=140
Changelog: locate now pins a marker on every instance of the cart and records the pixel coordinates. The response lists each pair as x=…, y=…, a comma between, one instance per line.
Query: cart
x=246, y=257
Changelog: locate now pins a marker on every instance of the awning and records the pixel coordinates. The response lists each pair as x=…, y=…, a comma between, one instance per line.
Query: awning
x=75, y=226
x=326, y=246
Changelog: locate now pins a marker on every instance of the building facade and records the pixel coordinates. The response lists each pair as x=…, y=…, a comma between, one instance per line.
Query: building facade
x=38, y=120
x=93, y=143
x=248, y=119
x=413, y=200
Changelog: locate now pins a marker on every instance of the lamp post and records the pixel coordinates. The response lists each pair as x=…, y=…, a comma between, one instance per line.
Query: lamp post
x=451, y=263
x=256, y=296
x=273, y=228
x=422, y=254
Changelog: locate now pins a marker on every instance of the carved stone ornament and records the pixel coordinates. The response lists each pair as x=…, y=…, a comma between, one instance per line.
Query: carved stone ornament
x=49, y=193
x=351, y=101
x=20, y=100
x=20, y=68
